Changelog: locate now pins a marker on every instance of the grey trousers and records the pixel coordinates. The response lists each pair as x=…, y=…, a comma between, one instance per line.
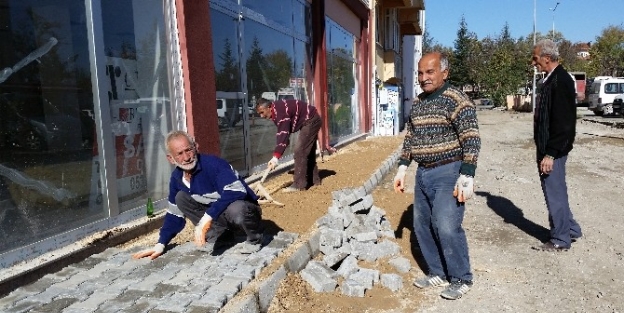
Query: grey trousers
x=563, y=226
x=239, y=214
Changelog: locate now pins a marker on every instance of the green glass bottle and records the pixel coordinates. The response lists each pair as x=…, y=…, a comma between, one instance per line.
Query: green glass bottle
x=150, y=207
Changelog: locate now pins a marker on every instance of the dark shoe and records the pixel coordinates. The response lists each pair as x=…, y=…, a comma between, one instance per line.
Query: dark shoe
x=456, y=289
x=292, y=189
x=551, y=247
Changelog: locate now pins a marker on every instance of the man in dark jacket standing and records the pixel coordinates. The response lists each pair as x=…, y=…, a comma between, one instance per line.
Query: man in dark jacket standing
x=291, y=116
x=554, y=129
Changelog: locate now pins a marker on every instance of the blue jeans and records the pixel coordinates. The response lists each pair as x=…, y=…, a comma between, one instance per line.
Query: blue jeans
x=563, y=227
x=438, y=222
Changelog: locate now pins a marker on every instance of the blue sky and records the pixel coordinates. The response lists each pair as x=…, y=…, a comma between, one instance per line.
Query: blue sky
x=577, y=20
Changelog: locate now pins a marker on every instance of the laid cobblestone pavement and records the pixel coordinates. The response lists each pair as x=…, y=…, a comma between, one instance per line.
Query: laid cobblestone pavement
x=112, y=281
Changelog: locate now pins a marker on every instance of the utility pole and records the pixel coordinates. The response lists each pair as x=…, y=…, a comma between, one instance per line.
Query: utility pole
x=553, y=20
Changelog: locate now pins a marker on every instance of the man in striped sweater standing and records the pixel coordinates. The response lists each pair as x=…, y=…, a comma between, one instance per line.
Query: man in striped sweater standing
x=291, y=116
x=554, y=129
x=442, y=136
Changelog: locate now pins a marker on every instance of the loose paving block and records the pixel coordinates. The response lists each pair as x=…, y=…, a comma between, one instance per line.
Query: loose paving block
x=352, y=288
x=393, y=282
x=401, y=264
x=319, y=281
x=349, y=265
x=315, y=243
x=334, y=258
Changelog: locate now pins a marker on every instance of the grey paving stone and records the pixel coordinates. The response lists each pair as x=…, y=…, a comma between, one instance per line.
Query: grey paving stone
x=151, y=281
x=177, y=302
x=118, y=286
x=199, y=309
x=64, y=274
x=183, y=277
x=319, y=282
x=15, y=296
x=400, y=264
x=244, y=272
x=141, y=306
x=298, y=259
x=39, y=285
x=87, y=263
x=47, y=295
x=247, y=304
x=214, y=299
x=128, y=297
x=352, y=288
x=393, y=282
x=73, y=281
x=94, y=301
x=268, y=288
x=162, y=291
x=229, y=284
x=57, y=305
x=21, y=306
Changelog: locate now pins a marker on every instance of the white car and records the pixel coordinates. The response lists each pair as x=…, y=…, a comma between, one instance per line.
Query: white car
x=602, y=94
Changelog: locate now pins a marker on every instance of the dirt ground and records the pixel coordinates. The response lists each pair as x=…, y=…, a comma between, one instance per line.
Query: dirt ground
x=505, y=219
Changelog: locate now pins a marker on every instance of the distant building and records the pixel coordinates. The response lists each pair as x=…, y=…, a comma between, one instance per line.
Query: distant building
x=582, y=50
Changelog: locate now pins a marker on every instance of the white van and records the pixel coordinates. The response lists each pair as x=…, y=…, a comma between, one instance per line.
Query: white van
x=602, y=93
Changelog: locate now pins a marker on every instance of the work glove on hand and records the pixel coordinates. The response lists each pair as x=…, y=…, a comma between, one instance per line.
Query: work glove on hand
x=272, y=163
x=152, y=253
x=464, y=188
x=399, y=179
x=201, y=229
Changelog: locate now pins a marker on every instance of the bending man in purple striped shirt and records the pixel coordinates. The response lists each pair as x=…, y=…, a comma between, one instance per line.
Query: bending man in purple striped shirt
x=293, y=116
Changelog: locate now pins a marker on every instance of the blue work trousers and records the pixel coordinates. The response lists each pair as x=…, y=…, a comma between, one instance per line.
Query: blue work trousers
x=438, y=218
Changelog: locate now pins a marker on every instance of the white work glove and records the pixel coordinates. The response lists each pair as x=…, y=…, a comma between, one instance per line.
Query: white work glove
x=206, y=198
x=464, y=188
x=399, y=179
x=153, y=253
x=273, y=163
x=201, y=229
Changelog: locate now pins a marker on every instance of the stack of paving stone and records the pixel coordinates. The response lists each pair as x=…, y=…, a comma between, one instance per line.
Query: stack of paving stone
x=354, y=230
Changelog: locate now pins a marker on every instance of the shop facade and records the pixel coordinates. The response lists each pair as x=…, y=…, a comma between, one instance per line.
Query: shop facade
x=90, y=89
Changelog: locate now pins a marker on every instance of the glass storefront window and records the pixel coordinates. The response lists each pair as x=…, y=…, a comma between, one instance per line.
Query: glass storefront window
x=138, y=92
x=274, y=64
x=52, y=171
x=341, y=83
x=48, y=174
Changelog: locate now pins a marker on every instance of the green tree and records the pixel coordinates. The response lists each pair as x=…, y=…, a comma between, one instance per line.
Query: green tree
x=428, y=42
x=279, y=68
x=607, y=54
x=459, y=74
x=228, y=77
x=506, y=67
x=257, y=78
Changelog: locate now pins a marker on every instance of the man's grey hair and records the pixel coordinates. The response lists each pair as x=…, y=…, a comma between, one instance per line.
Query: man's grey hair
x=548, y=48
x=175, y=134
x=444, y=62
